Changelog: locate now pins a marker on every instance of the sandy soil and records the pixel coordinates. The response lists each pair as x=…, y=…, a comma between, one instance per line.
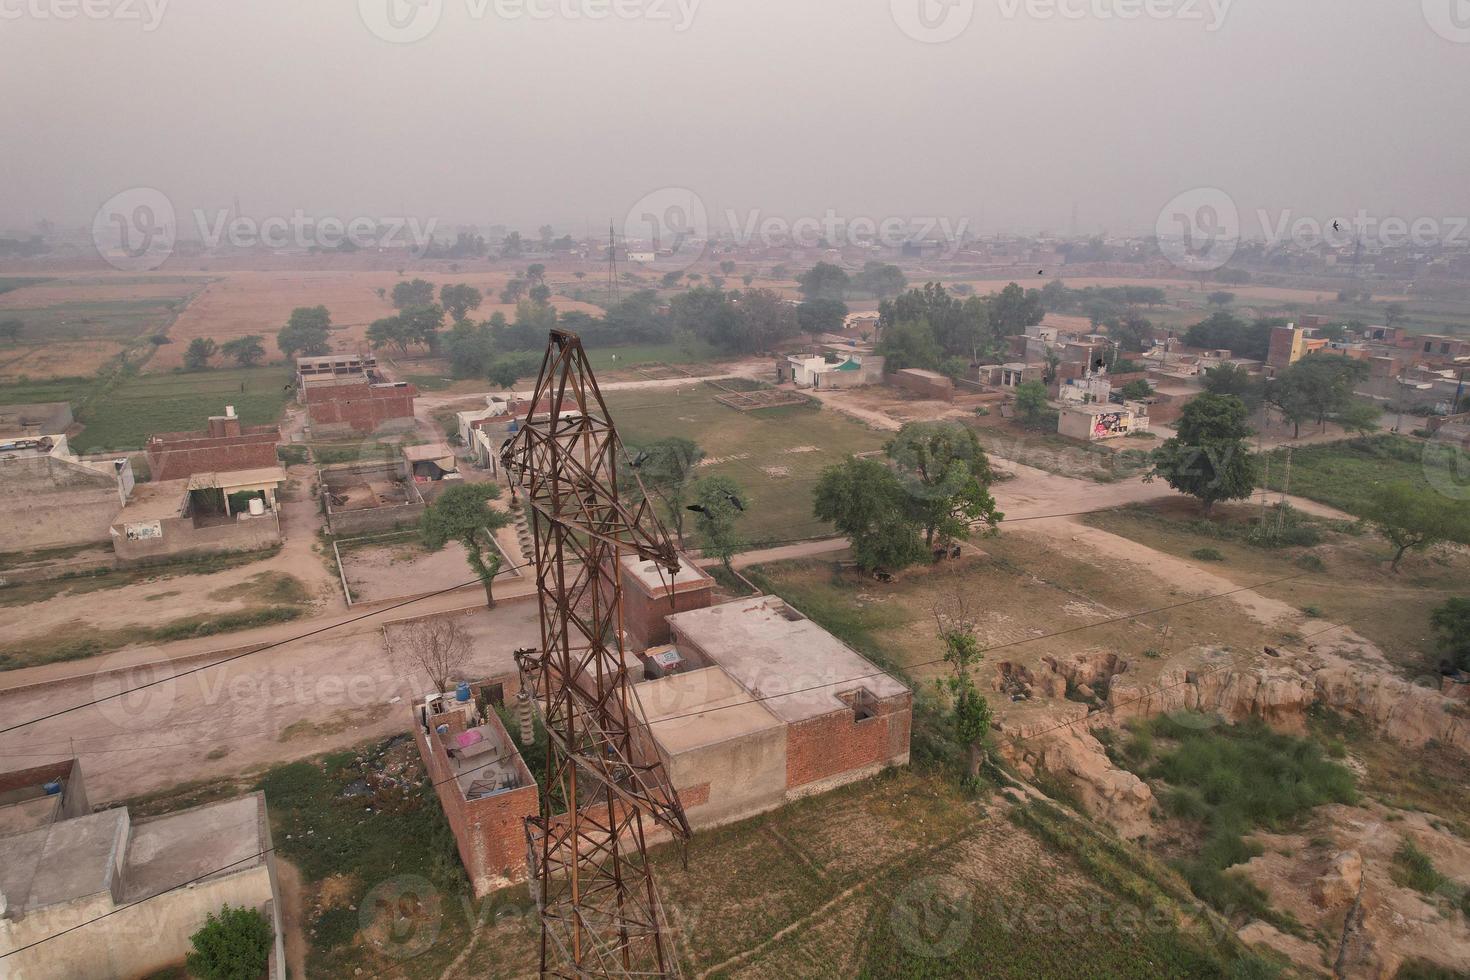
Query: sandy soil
x=87, y=289
x=60, y=360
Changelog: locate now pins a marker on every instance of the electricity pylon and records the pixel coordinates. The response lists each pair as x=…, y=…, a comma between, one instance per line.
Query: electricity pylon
x=600, y=912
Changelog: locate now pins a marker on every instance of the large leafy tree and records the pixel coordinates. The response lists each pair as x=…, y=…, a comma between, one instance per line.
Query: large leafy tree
x=232, y=945
x=462, y=513
x=458, y=300
x=720, y=502
x=1222, y=331
x=1316, y=387
x=818, y=316
x=1413, y=517
x=764, y=318
x=1014, y=309
x=1228, y=379
x=960, y=328
x=306, y=332
x=867, y=503
x=1209, y=459
x=1031, y=402
x=910, y=344
x=881, y=279
x=824, y=281
x=245, y=351
x=198, y=354
x=668, y=468
x=947, y=477
x=418, y=292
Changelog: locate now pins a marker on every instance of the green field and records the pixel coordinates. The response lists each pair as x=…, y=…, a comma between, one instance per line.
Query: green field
x=613, y=358
x=1345, y=474
x=72, y=390
x=123, y=416
x=8, y=283
x=776, y=454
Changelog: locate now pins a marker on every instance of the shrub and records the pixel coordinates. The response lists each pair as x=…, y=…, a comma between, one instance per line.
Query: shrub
x=1412, y=868
x=1207, y=554
x=1312, y=612
x=1311, y=562
x=235, y=945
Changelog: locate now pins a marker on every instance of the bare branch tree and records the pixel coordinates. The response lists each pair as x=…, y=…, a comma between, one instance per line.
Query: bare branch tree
x=439, y=647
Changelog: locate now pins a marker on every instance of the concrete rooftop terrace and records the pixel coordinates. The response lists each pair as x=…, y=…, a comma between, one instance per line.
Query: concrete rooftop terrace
x=656, y=579
x=797, y=668
x=700, y=707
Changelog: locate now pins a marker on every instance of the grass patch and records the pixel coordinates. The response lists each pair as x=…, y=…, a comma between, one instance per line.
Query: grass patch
x=1235, y=779
x=1207, y=554
x=125, y=414
x=776, y=456
x=81, y=583
x=1345, y=474
x=1412, y=868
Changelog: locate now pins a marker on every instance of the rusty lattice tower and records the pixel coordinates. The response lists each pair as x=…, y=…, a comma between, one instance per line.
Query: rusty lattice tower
x=600, y=912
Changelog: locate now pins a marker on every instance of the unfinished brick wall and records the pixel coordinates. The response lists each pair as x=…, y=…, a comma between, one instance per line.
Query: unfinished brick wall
x=643, y=613
x=826, y=747
x=489, y=833
x=176, y=455
x=361, y=407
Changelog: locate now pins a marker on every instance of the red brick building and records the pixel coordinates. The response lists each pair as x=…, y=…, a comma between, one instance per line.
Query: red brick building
x=483, y=785
x=651, y=593
x=358, y=405
x=224, y=446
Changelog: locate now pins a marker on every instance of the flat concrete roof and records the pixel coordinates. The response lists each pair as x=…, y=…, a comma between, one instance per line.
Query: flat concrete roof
x=166, y=851
x=429, y=452
x=656, y=579
x=261, y=476
x=64, y=862
x=776, y=654
x=154, y=501
x=701, y=707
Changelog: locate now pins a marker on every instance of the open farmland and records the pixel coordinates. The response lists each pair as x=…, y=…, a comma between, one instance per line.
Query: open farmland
x=776, y=454
x=72, y=328
x=240, y=303
x=125, y=414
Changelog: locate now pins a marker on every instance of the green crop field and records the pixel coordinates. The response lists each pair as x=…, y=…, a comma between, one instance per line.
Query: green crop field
x=775, y=454
x=1345, y=474
x=123, y=416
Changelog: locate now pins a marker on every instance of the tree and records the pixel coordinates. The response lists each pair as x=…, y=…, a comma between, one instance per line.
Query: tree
x=1031, y=402
x=763, y=319
x=536, y=272
x=234, y=945
x=1359, y=416
x=1220, y=298
x=469, y=348
x=1413, y=517
x=459, y=300
x=439, y=646
x=721, y=502
x=306, y=332
x=668, y=467
x=970, y=712
x=246, y=351
x=947, y=477
x=1393, y=313
x=10, y=330
x=539, y=293
x=1133, y=334
x=910, y=344
x=1230, y=379
x=824, y=281
x=1014, y=309
x=461, y=514
x=389, y=331
x=671, y=279
x=1222, y=331
x=1209, y=458
x=819, y=316
x=1137, y=389
x=881, y=280
x=865, y=501
x=512, y=246
x=1452, y=622
x=198, y=353
x=419, y=292
x=506, y=369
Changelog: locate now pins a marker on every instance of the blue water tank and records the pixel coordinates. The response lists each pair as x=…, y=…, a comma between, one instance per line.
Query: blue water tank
x=462, y=692
x=51, y=788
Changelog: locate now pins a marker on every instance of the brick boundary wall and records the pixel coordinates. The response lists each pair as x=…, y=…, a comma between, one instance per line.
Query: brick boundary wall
x=362, y=407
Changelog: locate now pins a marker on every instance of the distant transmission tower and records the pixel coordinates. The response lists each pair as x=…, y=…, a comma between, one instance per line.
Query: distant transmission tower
x=613, y=292
x=600, y=912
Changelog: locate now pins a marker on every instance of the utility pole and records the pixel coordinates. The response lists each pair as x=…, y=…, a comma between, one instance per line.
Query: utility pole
x=613, y=292
x=600, y=912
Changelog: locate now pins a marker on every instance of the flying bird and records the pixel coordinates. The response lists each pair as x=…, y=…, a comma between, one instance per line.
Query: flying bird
x=640, y=459
x=735, y=501
x=697, y=508
x=1336, y=225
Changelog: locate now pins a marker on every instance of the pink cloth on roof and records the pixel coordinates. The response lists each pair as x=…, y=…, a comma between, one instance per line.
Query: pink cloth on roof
x=466, y=739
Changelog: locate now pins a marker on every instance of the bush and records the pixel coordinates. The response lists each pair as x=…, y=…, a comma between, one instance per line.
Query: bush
x=1207, y=554
x=1412, y=868
x=1312, y=612
x=1311, y=562
x=235, y=945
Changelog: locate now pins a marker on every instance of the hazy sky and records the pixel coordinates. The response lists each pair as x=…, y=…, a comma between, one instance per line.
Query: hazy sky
x=788, y=107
